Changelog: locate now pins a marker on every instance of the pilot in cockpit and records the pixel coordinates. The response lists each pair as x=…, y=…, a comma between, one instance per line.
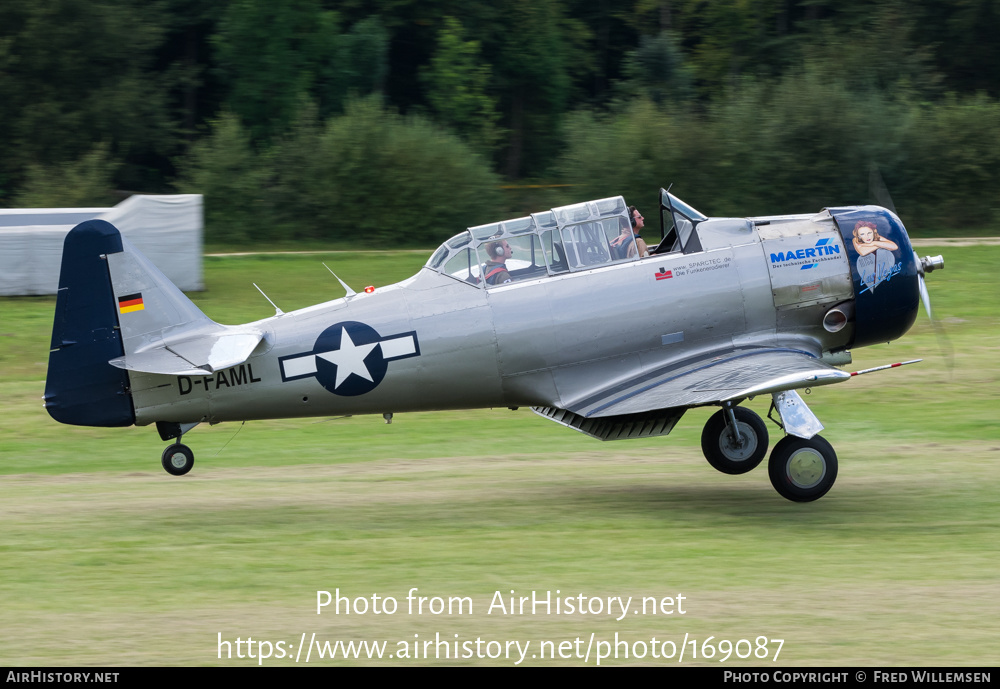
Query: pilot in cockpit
x=495, y=269
x=630, y=243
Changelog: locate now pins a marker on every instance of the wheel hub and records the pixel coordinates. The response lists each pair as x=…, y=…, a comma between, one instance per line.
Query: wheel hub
x=741, y=448
x=806, y=468
x=178, y=460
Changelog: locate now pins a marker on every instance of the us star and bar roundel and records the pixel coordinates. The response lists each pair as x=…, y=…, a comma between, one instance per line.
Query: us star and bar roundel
x=349, y=358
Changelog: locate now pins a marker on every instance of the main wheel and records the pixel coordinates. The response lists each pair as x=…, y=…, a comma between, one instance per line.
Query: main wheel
x=729, y=455
x=178, y=459
x=802, y=470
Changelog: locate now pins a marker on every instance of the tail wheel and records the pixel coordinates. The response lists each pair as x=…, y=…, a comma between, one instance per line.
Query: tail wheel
x=734, y=455
x=802, y=470
x=178, y=459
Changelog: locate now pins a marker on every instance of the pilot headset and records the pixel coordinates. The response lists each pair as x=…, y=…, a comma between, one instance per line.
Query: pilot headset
x=496, y=248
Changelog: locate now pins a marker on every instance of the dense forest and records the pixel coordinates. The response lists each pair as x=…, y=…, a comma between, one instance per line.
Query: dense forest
x=405, y=120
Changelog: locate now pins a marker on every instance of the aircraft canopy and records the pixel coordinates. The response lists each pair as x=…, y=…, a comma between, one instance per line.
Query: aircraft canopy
x=571, y=238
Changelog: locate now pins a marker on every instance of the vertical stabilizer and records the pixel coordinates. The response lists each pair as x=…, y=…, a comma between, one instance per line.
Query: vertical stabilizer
x=150, y=307
x=82, y=388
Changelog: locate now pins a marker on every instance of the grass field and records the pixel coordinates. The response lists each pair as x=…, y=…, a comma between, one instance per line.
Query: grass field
x=107, y=560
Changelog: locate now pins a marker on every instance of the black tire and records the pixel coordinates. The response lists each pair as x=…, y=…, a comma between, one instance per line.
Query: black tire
x=719, y=449
x=802, y=470
x=177, y=459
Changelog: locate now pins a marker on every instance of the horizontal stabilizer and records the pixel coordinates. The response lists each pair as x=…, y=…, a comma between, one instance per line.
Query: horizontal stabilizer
x=202, y=354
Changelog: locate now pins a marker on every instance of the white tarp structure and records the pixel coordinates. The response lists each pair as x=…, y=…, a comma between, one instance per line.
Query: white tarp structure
x=168, y=229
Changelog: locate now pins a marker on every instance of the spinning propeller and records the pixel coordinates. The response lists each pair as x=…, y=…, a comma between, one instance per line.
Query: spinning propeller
x=925, y=265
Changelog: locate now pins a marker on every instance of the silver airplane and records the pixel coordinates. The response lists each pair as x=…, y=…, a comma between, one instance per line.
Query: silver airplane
x=557, y=311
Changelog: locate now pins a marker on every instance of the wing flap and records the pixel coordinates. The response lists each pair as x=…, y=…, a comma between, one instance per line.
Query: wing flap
x=731, y=375
x=628, y=426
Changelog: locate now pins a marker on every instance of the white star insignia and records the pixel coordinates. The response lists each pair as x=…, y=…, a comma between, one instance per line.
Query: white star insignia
x=350, y=358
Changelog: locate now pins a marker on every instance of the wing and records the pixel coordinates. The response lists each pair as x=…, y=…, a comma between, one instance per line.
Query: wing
x=731, y=375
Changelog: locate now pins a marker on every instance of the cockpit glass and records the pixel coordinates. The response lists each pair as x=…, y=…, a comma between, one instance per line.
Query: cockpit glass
x=459, y=240
x=610, y=206
x=679, y=221
x=512, y=259
x=438, y=257
x=463, y=266
x=544, y=221
x=687, y=210
x=668, y=200
x=519, y=226
x=586, y=245
x=555, y=254
x=577, y=237
x=484, y=232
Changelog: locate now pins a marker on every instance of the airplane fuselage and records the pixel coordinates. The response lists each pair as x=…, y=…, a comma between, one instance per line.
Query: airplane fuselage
x=556, y=311
x=433, y=342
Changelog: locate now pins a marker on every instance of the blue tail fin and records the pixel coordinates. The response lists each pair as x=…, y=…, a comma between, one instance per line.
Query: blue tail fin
x=82, y=388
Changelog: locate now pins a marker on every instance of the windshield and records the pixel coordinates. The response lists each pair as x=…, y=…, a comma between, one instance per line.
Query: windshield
x=678, y=222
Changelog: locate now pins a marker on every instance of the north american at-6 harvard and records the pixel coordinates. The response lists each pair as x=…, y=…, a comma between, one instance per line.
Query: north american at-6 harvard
x=560, y=311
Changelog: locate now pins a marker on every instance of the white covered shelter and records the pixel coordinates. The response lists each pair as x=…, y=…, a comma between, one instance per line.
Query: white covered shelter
x=167, y=229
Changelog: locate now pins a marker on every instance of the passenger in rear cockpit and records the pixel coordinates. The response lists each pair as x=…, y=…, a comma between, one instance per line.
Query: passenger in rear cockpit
x=495, y=269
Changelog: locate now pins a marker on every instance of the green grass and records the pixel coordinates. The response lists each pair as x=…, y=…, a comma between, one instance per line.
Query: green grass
x=105, y=559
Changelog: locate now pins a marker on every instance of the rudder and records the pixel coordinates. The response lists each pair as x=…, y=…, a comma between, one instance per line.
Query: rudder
x=81, y=387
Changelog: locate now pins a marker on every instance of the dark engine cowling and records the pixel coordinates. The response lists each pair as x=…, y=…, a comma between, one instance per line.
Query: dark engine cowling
x=884, y=272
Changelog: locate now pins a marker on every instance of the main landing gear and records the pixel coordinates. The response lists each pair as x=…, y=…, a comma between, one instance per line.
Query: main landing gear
x=734, y=441
x=802, y=470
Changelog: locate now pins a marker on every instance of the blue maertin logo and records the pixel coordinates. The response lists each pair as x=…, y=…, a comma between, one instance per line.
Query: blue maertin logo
x=823, y=247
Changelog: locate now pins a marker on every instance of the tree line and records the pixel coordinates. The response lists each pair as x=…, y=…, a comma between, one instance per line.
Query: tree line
x=405, y=120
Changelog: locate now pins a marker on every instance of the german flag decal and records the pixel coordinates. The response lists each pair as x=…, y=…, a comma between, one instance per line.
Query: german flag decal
x=130, y=303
